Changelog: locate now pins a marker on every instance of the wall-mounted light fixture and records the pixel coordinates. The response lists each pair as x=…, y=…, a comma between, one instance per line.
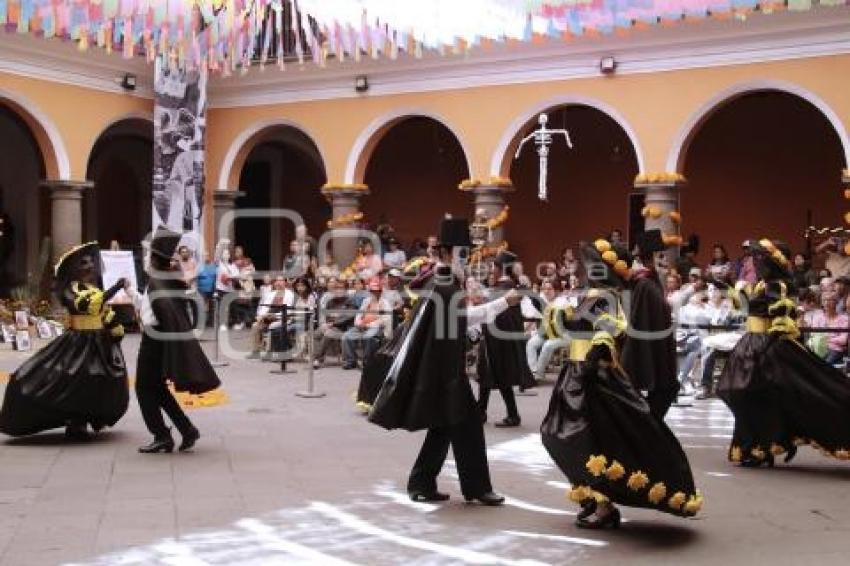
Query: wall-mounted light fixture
x=607, y=65
x=361, y=83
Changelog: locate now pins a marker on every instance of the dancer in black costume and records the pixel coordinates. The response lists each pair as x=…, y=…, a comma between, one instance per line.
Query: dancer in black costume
x=599, y=430
x=781, y=393
x=168, y=350
x=426, y=386
x=80, y=378
x=502, y=363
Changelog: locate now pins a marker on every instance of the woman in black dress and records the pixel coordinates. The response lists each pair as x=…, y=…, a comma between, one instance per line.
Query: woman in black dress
x=599, y=430
x=781, y=393
x=80, y=378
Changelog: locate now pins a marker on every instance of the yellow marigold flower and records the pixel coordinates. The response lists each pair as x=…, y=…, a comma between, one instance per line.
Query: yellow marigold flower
x=637, y=481
x=609, y=257
x=655, y=212
x=657, y=493
x=735, y=454
x=596, y=465
x=675, y=217
x=602, y=246
x=776, y=449
x=757, y=453
x=621, y=267
x=767, y=244
x=580, y=493
x=847, y=193
x=847, y=217
x=842, y=454
x=615, y=471
x=694, y=504
x=599, y=497
x=847, y=248
x=678, y=499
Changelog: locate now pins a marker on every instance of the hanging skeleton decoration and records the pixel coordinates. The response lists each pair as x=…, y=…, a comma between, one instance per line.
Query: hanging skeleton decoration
x=543, y=139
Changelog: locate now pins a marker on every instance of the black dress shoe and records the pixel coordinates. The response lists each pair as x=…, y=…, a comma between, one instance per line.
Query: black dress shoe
x=508, y=422
x=160, y=445
x=428, y=496
x=588, y=508
x=77, y=432
x=189, y=438
x=610, y=520
x=490, y=499
x=789, y=455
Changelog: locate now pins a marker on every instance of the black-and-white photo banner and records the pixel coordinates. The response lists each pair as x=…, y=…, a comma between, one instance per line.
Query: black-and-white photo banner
x=179, y=140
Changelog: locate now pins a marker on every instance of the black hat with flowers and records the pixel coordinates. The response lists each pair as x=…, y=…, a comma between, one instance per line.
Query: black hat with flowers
x=771, y=259
x=605, y=264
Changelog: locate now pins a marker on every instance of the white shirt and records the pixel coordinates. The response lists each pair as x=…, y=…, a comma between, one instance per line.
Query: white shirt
x=143, y=304
x=267, y=299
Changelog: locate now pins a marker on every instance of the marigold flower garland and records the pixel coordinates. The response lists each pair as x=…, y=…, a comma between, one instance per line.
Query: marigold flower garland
x=345, y=220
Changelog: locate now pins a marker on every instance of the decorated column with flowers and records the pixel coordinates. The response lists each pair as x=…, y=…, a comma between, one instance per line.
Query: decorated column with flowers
x=661, y=209
x=66, y=212
x=490, y=209
x=345, y=204
x=845, y=178
x=224, y=202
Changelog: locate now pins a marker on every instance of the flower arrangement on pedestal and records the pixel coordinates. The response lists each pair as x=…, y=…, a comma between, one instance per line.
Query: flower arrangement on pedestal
x=496, y=181
x=345, y=220
x=499, y=219
x=333, y=187
x=665, y=177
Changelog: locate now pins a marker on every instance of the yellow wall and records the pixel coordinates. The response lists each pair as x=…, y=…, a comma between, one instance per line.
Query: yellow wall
x=657, y=106
x=79, y=115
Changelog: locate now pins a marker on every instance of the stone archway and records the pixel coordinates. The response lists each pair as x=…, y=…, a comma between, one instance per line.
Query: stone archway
x=589, y=185
x=761, y=162
x=120, y=164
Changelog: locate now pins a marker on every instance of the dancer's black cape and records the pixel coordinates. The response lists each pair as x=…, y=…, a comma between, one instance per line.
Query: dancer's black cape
x=502, y=361
x=651, y=363
x=184, y=362
x=601, y=434
x=79, y=376
x=375, y=369
x=426, y=385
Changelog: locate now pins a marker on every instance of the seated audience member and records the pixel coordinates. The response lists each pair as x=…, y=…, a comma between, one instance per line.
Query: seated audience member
x=689, y=340
x=394, y=257
x=836, y=259
x=327, y=270
x=357, y=292
x=721, y=312
x=368, y=263
x=268, y=315
x=804, y=275
x=393, y=295
x=546, y=340
x=206, y=283
x=836, y=342
x=841, y=288
x=371, y=326
x=720, y=268
x=297, y=261
x=305, y=300
x=808, y=313
x=243, y=311
x=672, y=285
x=335, y=317
x=746, y=269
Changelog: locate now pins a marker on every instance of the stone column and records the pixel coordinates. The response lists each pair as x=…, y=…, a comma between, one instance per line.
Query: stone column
x=489, y=201
x=224, y=202
x=345, y=203
x=66, y=211
x=661, y=198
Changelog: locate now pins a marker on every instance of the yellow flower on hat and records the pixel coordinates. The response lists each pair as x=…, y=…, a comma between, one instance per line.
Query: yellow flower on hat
x=637, y=481
x=615, y=471
x=767, y=244
x=596, y=465
x=657, y=493
x=609, y=257
x=621, y=268
x=602, y=246
x=678, y=499
x=735, y=454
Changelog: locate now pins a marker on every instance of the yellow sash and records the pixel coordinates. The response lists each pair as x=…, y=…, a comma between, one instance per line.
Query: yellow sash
x=757, y=324
x=86, y=322
x=579, y=350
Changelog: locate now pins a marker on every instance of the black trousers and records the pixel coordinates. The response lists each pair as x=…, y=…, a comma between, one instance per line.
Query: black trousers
x=470, y=452
x=507, y=395
x=153, y=394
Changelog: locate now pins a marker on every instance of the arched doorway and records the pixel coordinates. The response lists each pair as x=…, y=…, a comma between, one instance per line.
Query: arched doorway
x=589, y=185
x=121, y=166
x=283, y=171
x=24, y=205
x=413, y=173
x=765, y=162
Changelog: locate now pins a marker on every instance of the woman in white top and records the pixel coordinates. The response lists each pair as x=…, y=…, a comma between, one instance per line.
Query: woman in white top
x=226, y=274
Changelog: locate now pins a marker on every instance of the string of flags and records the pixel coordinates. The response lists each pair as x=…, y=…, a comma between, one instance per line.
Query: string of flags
x=229, y=35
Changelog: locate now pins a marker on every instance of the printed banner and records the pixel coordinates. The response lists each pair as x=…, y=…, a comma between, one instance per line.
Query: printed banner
x=178, y=160
x=118, y=264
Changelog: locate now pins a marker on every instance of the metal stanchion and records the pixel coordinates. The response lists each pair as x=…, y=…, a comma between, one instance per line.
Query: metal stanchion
x=283, y=369
x=217, y=362
x=310, y=392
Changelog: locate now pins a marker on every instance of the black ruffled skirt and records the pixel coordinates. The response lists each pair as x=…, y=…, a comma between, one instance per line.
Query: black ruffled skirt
x=79, y=376
x=782, y=396
x=600, y=433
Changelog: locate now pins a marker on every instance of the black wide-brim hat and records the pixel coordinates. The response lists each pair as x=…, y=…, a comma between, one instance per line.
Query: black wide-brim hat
x=454, y=232
x=651, y=241
x=771, y=259
x=505, y=258
x=66, y=266
x=165, y=242
x=601, y=267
